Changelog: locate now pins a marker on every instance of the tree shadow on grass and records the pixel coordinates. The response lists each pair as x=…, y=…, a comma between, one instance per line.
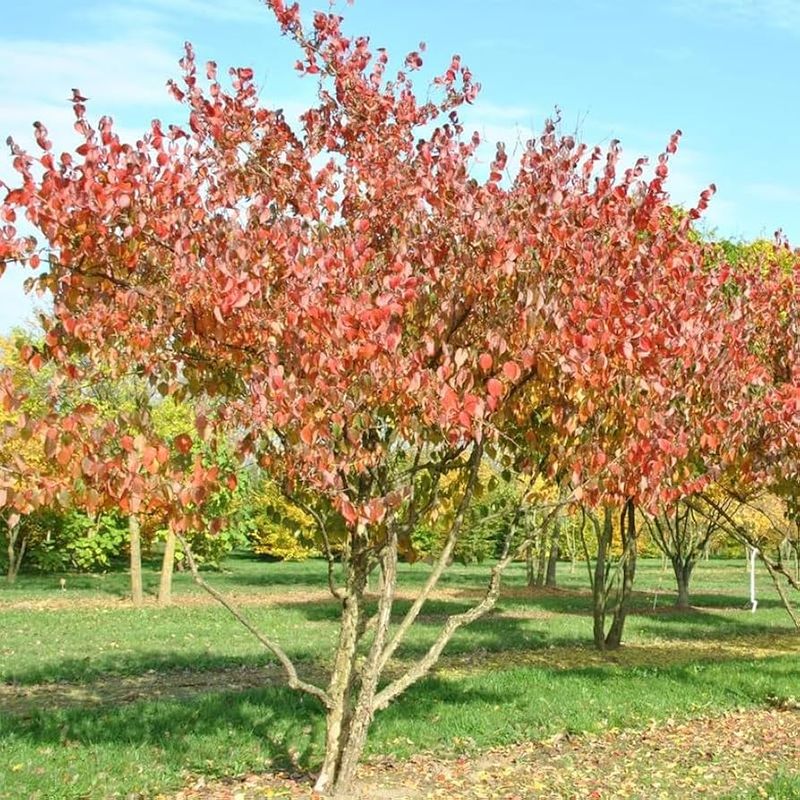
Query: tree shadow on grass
x=689, y=625
x=285, y=725
x=85, y=670
x=492, y=632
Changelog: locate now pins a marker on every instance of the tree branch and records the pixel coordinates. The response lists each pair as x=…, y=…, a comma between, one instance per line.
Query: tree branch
x=441, y=563
x=292, y=678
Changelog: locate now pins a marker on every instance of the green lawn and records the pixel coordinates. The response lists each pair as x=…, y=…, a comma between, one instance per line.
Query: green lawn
x=524, y=673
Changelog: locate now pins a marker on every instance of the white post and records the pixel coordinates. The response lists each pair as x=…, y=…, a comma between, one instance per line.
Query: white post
x=751, y=555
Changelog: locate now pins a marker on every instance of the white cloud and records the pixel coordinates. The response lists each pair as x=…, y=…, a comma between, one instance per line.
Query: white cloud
x=782, y=14
x=122, y=75
x=117, y=75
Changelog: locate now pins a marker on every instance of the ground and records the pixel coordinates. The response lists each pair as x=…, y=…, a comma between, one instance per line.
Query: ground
x=103, y=700
x=707, y=757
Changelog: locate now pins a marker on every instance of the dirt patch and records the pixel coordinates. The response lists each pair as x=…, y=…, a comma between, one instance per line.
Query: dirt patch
x=708, y=757
x=67, y=603
x=658, y=654
x=118, y=690
x=283, y=596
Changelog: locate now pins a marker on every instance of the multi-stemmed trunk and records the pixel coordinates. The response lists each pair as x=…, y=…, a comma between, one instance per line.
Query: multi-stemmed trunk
x=683, y=532
x=607, y=596
x=620, y=614
x=353, y=686
x=365, y=646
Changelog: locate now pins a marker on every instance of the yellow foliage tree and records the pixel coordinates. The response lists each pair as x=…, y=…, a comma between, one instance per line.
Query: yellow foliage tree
x=280, y=528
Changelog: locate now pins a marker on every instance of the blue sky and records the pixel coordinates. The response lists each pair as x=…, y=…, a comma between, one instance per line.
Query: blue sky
x=724, y=71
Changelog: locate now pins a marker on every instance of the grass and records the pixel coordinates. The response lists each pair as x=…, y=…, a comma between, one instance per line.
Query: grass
x=782, y=787
x=524, y=673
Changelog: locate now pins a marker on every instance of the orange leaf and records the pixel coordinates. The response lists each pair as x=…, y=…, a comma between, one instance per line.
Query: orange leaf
x=307, y=435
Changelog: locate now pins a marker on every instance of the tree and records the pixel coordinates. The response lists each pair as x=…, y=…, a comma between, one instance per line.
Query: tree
x=683, y=533
x=764, y=479
x=374, y=321
x=17, y=378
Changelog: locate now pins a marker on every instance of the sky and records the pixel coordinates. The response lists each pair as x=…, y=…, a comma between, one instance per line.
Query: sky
x=723, y=71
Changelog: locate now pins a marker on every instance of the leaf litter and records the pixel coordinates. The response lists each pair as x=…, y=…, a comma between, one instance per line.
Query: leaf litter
x=714, y=757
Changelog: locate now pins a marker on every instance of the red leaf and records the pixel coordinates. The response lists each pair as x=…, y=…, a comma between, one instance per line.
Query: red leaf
x=182, y=443
x=511, y=370
x=494, y=387
x=349, y=512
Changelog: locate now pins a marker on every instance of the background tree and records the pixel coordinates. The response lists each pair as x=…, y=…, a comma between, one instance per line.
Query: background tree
x=683, y=534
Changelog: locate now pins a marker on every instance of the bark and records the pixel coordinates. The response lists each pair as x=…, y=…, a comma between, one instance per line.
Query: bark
x=351, y=745
x=15, y=555
x=599, y=591
x=605, y=597
x=167, y=567
x=137, y=593
x=343, y=677
x=552, y=559
x=683, y=575
x=530, y=571
x=541, y=566
x=628, y=531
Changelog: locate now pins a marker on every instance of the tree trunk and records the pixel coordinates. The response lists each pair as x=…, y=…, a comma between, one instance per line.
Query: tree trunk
x=352, y=696
x=352, y=744
x=530, y=571
x=343, y=677
x=167, y=568
x=552, y=559
x=541, y=565
x=15, y=556
x=683, y=575
x=599, y=596
x=628, y=531
x=137, y=593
